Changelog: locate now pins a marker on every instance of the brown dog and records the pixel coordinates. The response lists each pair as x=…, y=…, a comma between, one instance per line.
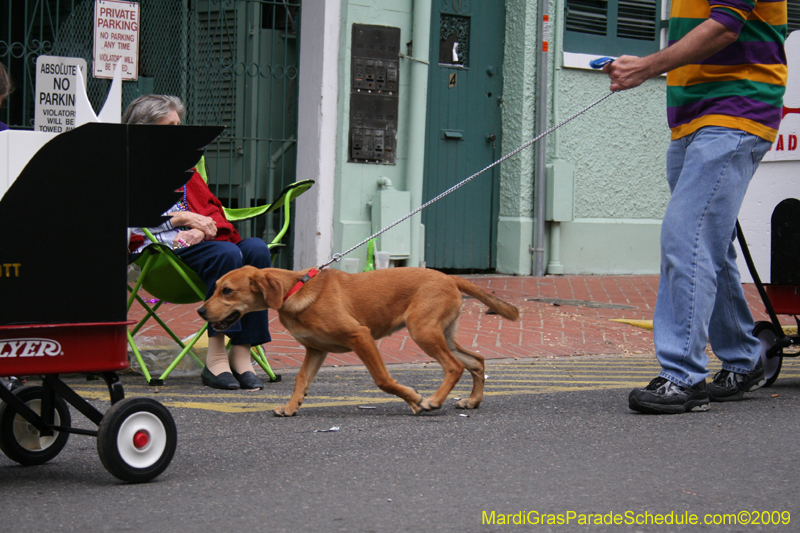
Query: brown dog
x=338, y=312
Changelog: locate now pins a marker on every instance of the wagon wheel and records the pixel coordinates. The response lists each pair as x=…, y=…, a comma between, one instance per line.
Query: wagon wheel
x=20, y=440
x=136, y=439
x=768, y=335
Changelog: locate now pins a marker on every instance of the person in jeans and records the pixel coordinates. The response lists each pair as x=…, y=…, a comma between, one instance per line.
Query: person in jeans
x=726, y=77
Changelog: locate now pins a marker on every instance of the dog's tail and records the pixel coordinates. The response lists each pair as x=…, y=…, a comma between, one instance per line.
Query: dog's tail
x=505, y=310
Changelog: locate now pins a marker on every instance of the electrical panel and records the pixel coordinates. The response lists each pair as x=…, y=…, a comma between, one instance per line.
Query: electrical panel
x=374, y=81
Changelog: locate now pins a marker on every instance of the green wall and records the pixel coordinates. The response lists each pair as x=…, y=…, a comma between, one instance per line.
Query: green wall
x=357, y=183
x=617, y=150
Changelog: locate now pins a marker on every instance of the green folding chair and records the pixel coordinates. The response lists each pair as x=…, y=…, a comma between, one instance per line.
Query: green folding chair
x=166, y=277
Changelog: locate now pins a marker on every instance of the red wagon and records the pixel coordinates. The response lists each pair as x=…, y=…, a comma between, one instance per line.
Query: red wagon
x=782, y=295
x=136, y=438
x=63, y=303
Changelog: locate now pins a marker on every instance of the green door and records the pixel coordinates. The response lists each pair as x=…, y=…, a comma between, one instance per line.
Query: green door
x=463, y=133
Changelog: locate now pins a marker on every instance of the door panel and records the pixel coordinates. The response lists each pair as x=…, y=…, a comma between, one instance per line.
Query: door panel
x=463, y=133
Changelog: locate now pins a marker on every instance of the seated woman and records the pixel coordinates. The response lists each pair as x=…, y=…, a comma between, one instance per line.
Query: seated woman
x=201, y=236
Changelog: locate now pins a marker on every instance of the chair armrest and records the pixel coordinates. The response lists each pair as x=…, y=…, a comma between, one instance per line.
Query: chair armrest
x=289, y=192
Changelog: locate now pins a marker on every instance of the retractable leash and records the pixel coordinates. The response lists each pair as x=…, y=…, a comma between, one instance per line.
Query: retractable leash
x=601, y=62
x=597, y=63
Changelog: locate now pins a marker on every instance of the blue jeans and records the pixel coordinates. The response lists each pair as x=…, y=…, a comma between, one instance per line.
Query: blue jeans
x=212, y=259
x=700, y=296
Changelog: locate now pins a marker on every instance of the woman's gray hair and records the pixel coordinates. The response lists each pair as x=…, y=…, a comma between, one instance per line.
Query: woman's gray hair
x=150, y=108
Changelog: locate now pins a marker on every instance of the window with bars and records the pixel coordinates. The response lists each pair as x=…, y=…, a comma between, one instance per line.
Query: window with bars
x=613, y=27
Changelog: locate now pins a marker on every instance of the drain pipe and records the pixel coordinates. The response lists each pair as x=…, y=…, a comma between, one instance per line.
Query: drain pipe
x=554, y=265
x=418, y=104
x=541, y=153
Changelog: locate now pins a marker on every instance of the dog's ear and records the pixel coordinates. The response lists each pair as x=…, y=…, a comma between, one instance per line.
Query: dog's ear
x=269, y=288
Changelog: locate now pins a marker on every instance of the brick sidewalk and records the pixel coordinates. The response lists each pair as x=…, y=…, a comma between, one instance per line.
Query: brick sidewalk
x=559, y=315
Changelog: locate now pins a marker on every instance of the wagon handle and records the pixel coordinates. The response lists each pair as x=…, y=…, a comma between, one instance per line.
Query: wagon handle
x=760, y=286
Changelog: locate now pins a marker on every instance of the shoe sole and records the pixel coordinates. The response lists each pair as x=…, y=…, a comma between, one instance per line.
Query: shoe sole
x=739, y=394
x=219, y=387
x=758, y=385
x=696, y=406
x=208, y=383
x=732, y=398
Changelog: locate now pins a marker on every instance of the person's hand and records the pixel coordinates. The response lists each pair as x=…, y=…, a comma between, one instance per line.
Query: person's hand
x=188, y=238
x=627, y=72
x=199, y=222
x=705, y=40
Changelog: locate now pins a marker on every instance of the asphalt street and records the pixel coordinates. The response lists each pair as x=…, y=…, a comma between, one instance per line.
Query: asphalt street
x=553, y=441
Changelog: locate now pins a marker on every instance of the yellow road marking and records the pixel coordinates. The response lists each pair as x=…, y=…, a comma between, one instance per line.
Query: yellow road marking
x=260, y=408
x=648, y=325
x=498, y=377
x=505, y=379
x=644, y=324
x=224, y=407
x=593, y=381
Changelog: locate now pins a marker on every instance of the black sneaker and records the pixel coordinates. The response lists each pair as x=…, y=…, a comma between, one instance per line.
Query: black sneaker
x=662, y=396
x=729, y=386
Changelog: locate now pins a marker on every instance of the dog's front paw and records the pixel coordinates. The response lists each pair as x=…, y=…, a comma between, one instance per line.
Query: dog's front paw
x=284, y=410
x=467, y=403
x=428, y=405
x=416, y=405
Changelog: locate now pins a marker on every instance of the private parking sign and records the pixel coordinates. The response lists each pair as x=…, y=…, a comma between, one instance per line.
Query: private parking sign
x=116, y=38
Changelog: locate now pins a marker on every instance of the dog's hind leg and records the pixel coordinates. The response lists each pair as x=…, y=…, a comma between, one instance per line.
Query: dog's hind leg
x=365, y=348
x=430, y=338
x=474, y=364
x=311, y=364
x=473, y=361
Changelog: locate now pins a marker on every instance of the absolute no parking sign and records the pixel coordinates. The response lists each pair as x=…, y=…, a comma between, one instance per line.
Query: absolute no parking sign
x=116, y=38
x=56, y=79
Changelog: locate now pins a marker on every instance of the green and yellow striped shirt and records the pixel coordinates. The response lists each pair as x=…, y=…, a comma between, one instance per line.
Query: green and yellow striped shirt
x=740, y=87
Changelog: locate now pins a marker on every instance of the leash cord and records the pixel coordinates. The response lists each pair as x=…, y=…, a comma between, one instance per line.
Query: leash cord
x=338, y=257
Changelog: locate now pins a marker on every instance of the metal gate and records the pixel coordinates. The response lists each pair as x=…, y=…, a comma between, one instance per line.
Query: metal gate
x=232, y=62
x=463, y=133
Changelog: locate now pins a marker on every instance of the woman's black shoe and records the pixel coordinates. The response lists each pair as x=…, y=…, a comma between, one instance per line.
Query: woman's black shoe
x=248, y=380
x=224, y=380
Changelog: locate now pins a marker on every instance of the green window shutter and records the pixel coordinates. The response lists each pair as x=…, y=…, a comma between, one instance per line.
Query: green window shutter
x=613, y=27
x=587, y=17
x=793, y=8
x=637, y=19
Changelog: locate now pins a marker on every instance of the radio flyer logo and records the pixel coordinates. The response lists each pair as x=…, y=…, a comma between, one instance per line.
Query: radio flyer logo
x=29, y=348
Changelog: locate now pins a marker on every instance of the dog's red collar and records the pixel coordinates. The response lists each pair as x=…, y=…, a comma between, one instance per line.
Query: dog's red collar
x=299, y=285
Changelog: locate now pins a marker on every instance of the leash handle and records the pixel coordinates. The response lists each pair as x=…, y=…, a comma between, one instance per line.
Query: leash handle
x=600, y=62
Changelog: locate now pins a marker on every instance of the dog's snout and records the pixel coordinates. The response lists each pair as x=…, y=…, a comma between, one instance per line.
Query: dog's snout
x=202, y=312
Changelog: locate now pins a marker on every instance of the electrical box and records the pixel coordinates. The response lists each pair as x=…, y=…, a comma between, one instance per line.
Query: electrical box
x=389, y=206
x=374, y=80
x=559, y=184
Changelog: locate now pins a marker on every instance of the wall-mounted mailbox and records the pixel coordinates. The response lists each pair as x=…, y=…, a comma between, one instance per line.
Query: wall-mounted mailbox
x=375, y=70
